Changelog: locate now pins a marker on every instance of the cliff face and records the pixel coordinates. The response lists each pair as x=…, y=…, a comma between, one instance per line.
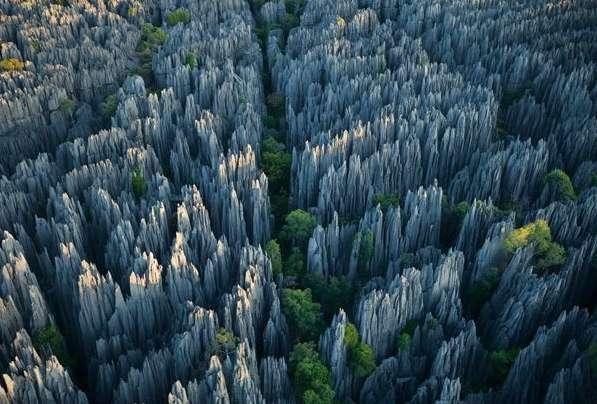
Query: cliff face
x=444, y=155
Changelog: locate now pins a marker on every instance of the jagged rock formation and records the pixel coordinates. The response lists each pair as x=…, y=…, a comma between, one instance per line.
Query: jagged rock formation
x=135, y=205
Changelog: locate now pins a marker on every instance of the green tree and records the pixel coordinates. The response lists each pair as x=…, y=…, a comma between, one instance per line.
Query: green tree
x=108, y=107
x=298, y=227
x=360, y=355
x=295, y=264
x=191, y=60
x=332, y=293
x=272, y=249
x=178, y=16
x=138, y=183
x=276, y=162
x=311, y=378
x=387, y=200
x=66, y=105
x=50, y=338
x=404, y=339
x=480, y=291
x=501, y=362
x=561, y=181
x=302, y=313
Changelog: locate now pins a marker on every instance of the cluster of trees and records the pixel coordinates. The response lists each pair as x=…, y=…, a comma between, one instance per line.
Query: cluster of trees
x=548, y=254
x=151, y=38
x=312, y=379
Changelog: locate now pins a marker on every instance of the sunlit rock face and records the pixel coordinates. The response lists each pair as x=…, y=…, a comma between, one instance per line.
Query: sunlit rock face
x=154, y=154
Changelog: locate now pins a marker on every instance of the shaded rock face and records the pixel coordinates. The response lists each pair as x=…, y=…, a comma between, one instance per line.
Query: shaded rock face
x=135, y=149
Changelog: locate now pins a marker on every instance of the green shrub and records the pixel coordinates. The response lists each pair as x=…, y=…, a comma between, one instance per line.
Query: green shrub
x=548, y=254
x=133, y=11
x=481, y=291
x=501, y=362
x=360, y=355
x=66, y=105
x=272, y=249
x=560, y=180
x=386, y=200
x=151, y=36
x=303, y=314
x=50, y=338
x=225, y=341
x=191, y=60
x=108, y=107
x=406, y=334
x=403, y=341
x=298, y=227
x=178, y=16
x=138, y=183
x=311, y=378
x=11, y=64
x=366, y=249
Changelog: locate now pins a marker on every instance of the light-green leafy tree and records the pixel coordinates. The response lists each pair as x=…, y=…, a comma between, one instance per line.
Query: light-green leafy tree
x=272, y=249
x=298, y=227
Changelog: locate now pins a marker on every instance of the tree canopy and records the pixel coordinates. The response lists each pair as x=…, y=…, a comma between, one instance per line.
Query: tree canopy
x=303, y=314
